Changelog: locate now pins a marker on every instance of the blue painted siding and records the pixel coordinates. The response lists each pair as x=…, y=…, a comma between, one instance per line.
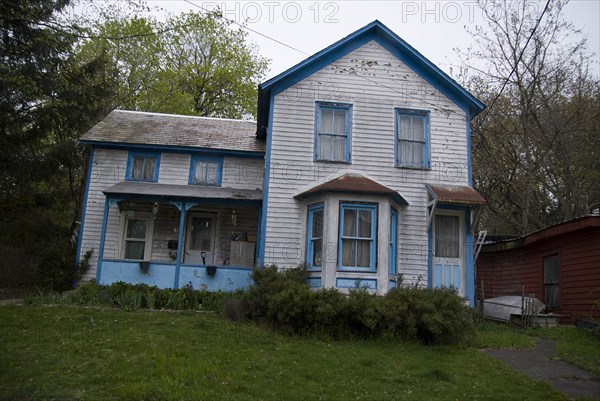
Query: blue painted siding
x=226, y=278
x=314, y=282
x=159, y=274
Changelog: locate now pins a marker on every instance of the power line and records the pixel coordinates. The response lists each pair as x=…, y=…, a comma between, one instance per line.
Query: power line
x=514, y=67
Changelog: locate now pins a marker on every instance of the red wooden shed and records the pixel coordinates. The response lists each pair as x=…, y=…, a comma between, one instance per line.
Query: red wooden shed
x=559, y=264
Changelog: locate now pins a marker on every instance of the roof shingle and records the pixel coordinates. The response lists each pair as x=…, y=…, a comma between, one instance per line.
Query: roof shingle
x=132, y=127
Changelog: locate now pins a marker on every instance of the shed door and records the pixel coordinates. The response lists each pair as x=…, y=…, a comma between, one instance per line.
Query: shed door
x=448, y=242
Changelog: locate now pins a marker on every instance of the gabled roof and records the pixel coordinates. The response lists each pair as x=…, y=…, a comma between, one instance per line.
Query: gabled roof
x=353, y=184
x=134, y=127
x=386, y=38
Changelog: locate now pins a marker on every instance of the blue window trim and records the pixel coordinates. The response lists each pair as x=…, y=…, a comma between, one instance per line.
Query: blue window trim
x=426, y=149
x=149, y=155
x=347, y=107
x=309, y=239
x=373, y=248
x=393, y=241
x=197, y=158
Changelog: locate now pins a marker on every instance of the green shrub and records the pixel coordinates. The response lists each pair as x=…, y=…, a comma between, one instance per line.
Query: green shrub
x=283, y=300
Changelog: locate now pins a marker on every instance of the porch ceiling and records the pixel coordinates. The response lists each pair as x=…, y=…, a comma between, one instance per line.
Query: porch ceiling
x=182, y=191
x=455, y=194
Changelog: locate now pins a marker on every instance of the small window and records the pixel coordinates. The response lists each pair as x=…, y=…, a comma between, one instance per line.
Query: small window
x=447, y=237
x=206, y=171
x=136, y=238
x=358, y=237
x=142, y=167
x=333, y=122
x=412, y=137
x=314, y=240
x=552, y=281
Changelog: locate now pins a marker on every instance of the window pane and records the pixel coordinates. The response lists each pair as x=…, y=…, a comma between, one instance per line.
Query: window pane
x=202, y=230
x=405, y=152
x=137, y=172
x=317, y=252
x=348, y=252
x=149, y=164
x=317, y=224
x=326, y=121
x=446, y=237
x=418, y=128
x=417, y=153
x=212, y=169
x=364, y=253
x=404, y=127
x=339, y=148
x=551, y=269
x=349, y=223
x=136, y=229
x=326, y=143
x=364, y=223
x=134, y=250
x=339, y=122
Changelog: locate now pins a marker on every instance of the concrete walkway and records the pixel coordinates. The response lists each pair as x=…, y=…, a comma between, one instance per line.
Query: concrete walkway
x=10, y=301
x=540, y=364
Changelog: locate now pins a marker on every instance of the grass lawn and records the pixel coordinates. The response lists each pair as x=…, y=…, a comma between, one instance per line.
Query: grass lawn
x=72, y=353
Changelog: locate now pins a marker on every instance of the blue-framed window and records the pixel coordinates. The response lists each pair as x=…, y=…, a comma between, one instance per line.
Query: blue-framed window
x=412, y=138
x=357, y=248
x=142, y=166
x=333, y=123
x=206, y=171
x=393, y=240
x=314, y=236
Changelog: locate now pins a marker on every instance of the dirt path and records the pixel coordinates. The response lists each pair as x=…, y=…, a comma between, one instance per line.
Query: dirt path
x=540, y=364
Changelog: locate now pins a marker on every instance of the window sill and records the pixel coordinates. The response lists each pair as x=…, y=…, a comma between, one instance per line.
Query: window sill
x=346, y=269
x=134, y=180
x=332, y=161
x=408, y=167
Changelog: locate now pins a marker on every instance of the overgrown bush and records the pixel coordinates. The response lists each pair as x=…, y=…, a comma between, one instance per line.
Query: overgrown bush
x=143, y=296
x=283, y=300
x=57, y=271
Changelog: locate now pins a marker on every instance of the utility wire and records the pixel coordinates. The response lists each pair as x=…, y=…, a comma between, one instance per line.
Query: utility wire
x=514, y=67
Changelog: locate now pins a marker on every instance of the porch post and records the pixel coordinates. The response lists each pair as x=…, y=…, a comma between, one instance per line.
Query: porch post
x=182, y=211
x=107, y=204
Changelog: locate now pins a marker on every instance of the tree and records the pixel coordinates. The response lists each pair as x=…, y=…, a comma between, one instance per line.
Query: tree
x=195, y=65
x=535, y=150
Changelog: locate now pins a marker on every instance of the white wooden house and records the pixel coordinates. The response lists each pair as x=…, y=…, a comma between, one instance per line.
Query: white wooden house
x=358, y=165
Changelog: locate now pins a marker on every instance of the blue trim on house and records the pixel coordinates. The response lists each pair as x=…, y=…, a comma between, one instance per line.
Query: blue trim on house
x=314, y=282
x=145, y=155
x=373, y=247
x=391, y=42
x=309, y=238
x=430, y=256
x=392, y=284
x=102, y=239
x=393, y=262
x=182, y=215
x=347, y=108
x=469, y=157
x=175, y=149
x=88, y=179
x=368, y=283
x=265, y=203
x=199, y=158
x=426, y=137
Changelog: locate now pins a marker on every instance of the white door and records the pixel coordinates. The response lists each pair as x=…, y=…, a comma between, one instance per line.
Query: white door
x=449, y=250
x=201, y=238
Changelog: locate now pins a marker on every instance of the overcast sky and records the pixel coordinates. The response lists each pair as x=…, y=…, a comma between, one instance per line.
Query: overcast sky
x=434, y=28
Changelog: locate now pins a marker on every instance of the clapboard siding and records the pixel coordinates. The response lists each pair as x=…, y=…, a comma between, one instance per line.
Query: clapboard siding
x=375, y=83
x=109, y=167
x=509, y=271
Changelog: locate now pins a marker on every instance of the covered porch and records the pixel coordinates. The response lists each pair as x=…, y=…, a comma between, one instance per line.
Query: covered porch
x=176, y=235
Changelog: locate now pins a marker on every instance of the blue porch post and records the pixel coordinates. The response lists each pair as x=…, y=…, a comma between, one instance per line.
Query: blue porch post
x=107, y=204
x=182, y=206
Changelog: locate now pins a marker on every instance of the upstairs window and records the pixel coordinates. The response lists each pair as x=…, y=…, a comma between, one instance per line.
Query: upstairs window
x=412, y=138
x=358, y=237
x=142, y=167
x=206, y=171
x=314, y=240
x=333, y=123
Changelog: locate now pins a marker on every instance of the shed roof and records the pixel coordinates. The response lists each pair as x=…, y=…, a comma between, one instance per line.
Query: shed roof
x=353, y=183
x=133, y=127
x=455, y=194
x=147, y=189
